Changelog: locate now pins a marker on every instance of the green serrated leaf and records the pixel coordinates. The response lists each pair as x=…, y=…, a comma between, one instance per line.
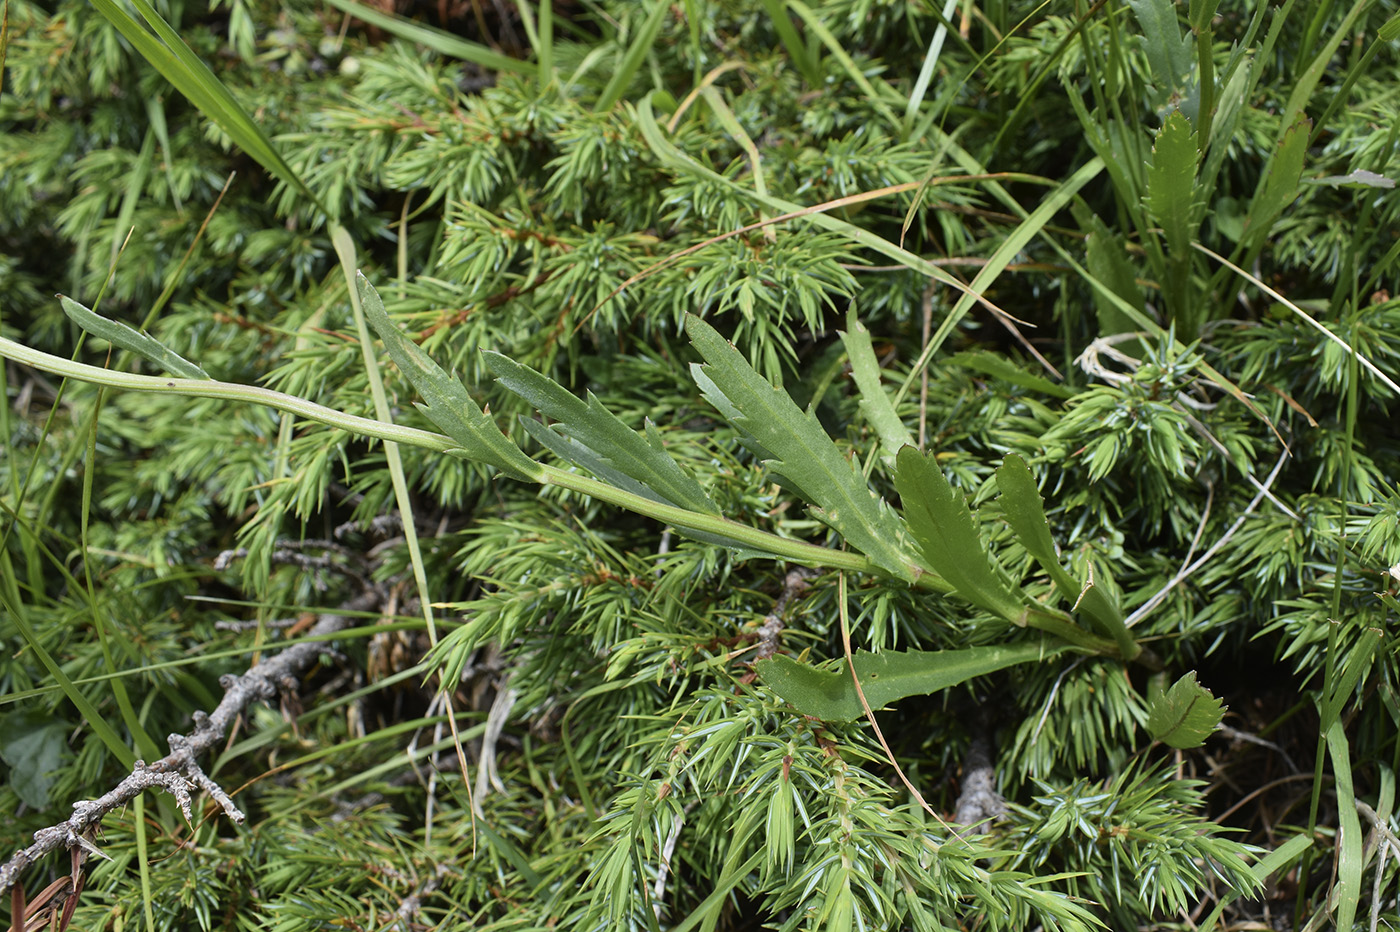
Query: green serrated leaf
x=801, y=451
x=1108, y=262
x=1280, y=186
x=942, y=525
x=1025, y=512
x=447, y=403
x=1005, y=370
x=1184, y=715
x=189, y=74
x=875, y=404
x=119, y=334
x=1171, y=181
x=830, y=695
x=599, y=431
x=1168, y=51
x=33, y=746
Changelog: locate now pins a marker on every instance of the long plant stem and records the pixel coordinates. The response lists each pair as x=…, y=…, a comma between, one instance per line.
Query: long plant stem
x=784, y=548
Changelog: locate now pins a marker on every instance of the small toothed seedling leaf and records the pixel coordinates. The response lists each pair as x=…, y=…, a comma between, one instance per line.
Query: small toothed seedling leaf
x=875, y=404
x=1184, y=715
x=1171, y=183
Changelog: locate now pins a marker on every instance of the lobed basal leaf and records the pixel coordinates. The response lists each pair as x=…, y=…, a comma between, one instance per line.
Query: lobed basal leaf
x=600, y=442
x=830, y=695
x=448, y=405
x=799, y=449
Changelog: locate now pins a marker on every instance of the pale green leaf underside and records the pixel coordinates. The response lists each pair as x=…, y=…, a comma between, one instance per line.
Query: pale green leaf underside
x=1350, y=840
x=568, y=448
x=1168, y=51
x=439, y=40
x=119, y=334
x=830, y=695
x=800, y=451
x=875, y=404
x=612, y=444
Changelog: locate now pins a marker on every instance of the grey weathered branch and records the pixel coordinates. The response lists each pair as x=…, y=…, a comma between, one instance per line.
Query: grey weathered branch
x=179, y=771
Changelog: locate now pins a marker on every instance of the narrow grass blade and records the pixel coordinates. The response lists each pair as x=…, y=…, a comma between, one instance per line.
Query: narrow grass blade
x=831, y=696
x=853, y=71
x=1285, y=855
x=155, y=112
x=1306, y=81
x=1350, y=853
x=98, y=610
x=18, y=616
x=1357, y=664
x=345, y=251
x=875, y=404
x=119, y=334
x=802, y=453
x=942, y=525
x=1014, y=242
x=599, y=431
x=1362, y=360
x=670, y=155
x=436, y=39
x=169, y=54
x=930, y=65
x=1004, y=370
x=447, y=403
x=636, y=54
x=135, y=186
x=806, y=65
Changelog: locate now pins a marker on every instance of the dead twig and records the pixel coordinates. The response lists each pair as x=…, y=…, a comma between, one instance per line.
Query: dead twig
x=179, y=771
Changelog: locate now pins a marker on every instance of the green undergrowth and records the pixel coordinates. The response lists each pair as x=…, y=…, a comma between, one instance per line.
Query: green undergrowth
x=1037, y=363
